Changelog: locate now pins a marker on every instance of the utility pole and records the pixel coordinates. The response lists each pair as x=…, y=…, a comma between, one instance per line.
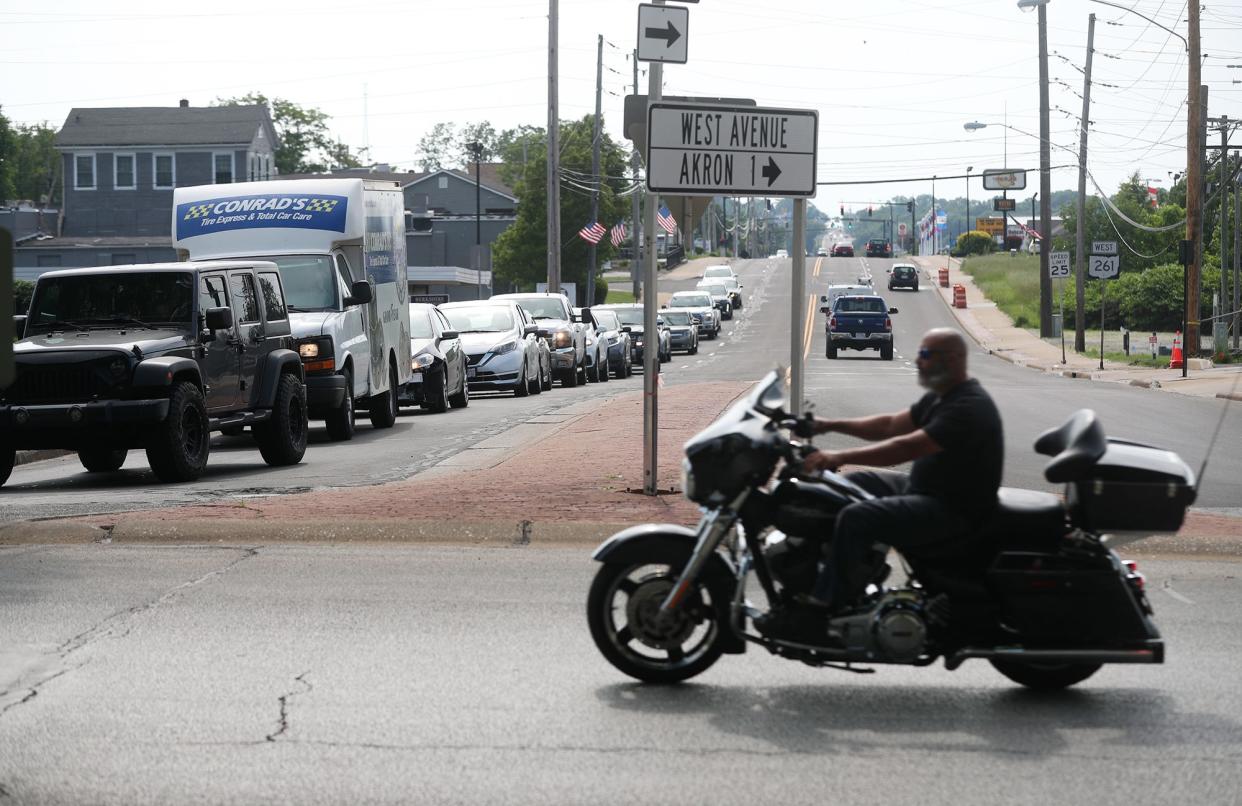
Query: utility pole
x=599, y=88
x=1224, y=211
x=1237, y=258
x=1045, y=180
x=553, y=162
x=635, y=236
x=651, y=336
x=1080, y=230
x=1195, y=113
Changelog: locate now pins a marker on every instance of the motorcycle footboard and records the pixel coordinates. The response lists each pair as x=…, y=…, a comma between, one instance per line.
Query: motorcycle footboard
x=1148, y=652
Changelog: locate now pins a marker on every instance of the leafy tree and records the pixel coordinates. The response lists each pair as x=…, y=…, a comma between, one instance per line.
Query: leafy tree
x=975, y=242
x=1131, y=199
x=448, y=145
x=8, y=155
x=436, y=146
x=37, y=164
x=306, y=145
x=519, y=255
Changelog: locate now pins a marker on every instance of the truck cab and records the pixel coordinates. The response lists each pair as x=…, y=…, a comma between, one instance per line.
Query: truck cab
x=340, y=248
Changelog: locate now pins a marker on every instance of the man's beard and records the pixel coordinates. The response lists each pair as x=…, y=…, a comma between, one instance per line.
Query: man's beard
x=934, y=381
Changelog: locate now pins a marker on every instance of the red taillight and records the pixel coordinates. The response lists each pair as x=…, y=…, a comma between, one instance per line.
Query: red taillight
x=832, y=321
x=888, y=323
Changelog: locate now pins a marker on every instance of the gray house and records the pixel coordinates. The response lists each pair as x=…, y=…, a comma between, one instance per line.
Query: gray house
x=120, y=167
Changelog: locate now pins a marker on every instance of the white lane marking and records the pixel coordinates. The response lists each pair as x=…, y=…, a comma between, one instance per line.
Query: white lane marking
x=1168, y=588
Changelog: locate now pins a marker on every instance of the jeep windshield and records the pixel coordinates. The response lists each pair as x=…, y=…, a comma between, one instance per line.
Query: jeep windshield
x=114, y=299
x=309, y=281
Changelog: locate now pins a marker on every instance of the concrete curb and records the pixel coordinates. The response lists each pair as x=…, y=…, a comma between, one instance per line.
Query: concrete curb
x=1229, y=396
x=498, y=534
x=27, y=457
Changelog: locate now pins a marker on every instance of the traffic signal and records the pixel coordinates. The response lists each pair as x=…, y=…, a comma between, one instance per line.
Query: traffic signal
x=868, y=210
x=909, y=207
x=849, y=225
x=843, y=211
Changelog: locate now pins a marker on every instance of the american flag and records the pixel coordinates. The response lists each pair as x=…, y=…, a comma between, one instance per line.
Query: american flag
x=666, y=220
x=617, y=233
x=592, y=232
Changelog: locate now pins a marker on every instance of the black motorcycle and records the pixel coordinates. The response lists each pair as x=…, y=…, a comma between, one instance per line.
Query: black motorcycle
x=1038, y=591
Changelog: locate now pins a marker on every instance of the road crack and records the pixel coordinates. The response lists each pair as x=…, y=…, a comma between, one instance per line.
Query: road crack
x=282, y=723
x=523, y=535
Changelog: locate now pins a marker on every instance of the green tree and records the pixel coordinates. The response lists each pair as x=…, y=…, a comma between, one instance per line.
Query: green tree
x=435, y=148
x=37, y=164
x=447, y=145
x=1154, y=248
x=975, y=242
x=520, y=253
x=306, y=144
x=8, y=159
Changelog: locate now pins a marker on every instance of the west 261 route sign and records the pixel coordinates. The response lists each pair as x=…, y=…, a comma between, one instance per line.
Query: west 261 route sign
x=708, y=150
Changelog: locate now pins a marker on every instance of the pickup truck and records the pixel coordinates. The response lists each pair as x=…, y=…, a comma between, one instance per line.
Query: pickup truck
x=878, y=247
x=156, y=357
x=858, y=322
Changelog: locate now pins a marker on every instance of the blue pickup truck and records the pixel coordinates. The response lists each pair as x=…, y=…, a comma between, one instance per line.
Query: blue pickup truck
x=858, y=322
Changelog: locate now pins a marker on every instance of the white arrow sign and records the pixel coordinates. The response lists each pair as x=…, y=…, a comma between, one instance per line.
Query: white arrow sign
x=662, y=33
x=731, y=151
x=1058, y=264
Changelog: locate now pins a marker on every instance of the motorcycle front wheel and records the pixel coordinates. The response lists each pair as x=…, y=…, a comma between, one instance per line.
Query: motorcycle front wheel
x=1045, y=676
x=623, y=612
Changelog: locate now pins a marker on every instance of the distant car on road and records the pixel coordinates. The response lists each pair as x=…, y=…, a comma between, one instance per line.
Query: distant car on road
x=860, y=323
x=722, y=300
x=821, y=252
x=781, y=253
x=903, y=275
x=438, y=361
x=501, y=345
x=702, y=309
x=719, y=272
x=683, y=334
x=631, y=315
x=879, y=247
x=615, y=338
x=843, y=249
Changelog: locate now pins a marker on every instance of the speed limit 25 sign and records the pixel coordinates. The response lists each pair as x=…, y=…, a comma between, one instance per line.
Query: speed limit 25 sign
x=1058, y=264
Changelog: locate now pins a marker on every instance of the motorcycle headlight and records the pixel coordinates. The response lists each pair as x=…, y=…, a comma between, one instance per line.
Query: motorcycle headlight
x=687, y=479
x=562, y=339
x=507, y=347
x=421, y=361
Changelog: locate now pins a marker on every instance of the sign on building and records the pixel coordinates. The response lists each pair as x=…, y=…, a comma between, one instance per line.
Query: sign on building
x=1004, y=179
x=711, y=150
x=992, y=226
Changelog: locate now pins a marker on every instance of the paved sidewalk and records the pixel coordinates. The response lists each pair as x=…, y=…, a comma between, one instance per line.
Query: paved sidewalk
x=996, y=333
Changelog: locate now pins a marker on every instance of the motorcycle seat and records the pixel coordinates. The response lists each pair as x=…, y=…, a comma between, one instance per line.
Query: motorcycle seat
x=1025, y=519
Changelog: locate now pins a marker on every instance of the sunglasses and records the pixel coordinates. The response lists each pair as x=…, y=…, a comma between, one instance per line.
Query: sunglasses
x=927, y=352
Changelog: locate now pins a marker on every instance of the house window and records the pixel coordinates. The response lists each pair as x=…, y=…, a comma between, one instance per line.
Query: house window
x=164, y=170
x=222, y=165
x=84, y=172
x=444, y=183
x=124, y=258
x=47, y=261
x=123, y=175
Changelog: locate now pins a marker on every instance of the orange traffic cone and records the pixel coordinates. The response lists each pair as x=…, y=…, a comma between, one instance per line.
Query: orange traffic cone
x=1175, y=359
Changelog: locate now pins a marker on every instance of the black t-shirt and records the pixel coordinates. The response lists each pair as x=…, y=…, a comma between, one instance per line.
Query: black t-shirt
x=966, y=472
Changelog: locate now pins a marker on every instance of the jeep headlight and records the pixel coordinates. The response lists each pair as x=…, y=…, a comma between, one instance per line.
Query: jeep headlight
x=562, y=339
x=421, y=361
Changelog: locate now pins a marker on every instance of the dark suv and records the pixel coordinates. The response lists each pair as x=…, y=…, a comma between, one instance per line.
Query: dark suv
x=903, y=275
x=878, y=247
x=155, y=357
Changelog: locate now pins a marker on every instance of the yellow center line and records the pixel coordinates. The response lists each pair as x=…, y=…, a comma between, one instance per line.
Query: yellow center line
x=819, y=262
x=809, y=329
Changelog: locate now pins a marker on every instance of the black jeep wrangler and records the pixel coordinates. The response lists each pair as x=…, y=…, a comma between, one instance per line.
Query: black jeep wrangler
x=155, y=357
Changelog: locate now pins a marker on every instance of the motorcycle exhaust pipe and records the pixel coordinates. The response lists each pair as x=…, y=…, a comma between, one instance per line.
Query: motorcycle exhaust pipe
x=1152, y=653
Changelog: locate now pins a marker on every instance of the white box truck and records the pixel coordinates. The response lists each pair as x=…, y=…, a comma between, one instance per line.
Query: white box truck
x=340, y=246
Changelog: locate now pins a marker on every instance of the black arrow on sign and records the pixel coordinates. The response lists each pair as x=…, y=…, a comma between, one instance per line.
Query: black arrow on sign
x=770, y=171
x=669, y=35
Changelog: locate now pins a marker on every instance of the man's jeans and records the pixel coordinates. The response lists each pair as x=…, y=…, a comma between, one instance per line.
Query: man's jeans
x=895, y=518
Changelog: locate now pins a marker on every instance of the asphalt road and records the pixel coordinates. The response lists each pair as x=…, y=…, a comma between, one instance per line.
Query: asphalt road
x=331, y=674
x=755, y=340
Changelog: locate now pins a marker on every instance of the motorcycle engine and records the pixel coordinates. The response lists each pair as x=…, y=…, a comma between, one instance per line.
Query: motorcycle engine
x=894, y=630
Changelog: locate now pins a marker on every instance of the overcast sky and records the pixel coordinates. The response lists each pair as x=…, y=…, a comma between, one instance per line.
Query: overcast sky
x=893, y=80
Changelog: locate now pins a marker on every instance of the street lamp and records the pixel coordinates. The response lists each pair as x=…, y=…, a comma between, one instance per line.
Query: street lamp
x=1045, y=171
x=967, y=228
x=476, y=149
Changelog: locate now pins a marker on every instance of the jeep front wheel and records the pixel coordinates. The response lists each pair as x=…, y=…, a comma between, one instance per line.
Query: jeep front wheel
x=282, y=439
x=178, y=449
x=102, y=460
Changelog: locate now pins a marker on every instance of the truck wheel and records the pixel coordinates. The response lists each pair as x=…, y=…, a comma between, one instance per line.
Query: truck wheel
x=340, y=422
x=384, y=405
x=571, y=380
x=102, y=460
x=582, y=371
x=179, y=447
x=282, y=439
x=8, y=456
x=886, y=352
x=832, y=349
x=462, y=398
x=437, y=395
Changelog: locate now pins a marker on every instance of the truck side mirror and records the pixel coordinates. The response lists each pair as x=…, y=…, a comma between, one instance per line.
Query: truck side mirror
x=359, y=293
x=449, y=334
x=626, y=329
x=219, y=319
x=530, y=330
x=587, y=317
x=892, y=310
x=823, y=299
x=19, y=326
x=825, y=309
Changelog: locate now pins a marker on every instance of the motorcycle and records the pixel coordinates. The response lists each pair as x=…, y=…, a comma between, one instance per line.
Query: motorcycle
x=1039, y=591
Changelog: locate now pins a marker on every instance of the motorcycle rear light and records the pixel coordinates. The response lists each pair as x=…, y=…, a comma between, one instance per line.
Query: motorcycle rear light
x=1130, y=565
x=1133, y=575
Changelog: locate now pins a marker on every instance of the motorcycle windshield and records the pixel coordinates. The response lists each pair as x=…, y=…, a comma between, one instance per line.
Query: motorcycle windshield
x=768, y=395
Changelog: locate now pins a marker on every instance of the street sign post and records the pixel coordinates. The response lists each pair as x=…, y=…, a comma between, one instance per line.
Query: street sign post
x=702, y=150
x=1004, y=179
x=662, y=33
x=1104, y=264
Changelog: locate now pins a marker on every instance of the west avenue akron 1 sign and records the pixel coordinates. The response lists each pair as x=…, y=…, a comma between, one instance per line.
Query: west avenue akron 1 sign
x=708, y=150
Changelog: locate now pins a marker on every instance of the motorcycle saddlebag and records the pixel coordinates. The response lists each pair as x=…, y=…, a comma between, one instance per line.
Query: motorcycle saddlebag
x=1133, y=488
x=1067, y=599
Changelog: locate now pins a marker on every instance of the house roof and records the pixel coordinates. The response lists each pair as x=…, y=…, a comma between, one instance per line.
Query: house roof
x=489, y=177
x=164, y=126
x=362, y=173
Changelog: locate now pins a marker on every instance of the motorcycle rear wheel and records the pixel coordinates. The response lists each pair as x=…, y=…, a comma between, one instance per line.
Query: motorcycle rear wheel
x=1045, y=676
x=622, y=613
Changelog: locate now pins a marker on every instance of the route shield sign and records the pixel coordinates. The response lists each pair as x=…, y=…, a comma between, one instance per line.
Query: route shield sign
x=1058, y=264
x=1103, y=267
x=712, y=150
x=662, y=33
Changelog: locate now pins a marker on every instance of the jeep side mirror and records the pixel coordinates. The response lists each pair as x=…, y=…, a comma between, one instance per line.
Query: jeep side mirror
x=892, y=310
x=219, y=319
x=359, y=293
x=19, y=326
x=449, y=334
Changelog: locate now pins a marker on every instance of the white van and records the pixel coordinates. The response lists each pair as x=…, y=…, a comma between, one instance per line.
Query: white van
x=834, y=291
x=340, y=246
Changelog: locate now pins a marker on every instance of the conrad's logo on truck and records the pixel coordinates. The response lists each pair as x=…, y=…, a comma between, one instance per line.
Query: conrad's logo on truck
x=268, y=210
